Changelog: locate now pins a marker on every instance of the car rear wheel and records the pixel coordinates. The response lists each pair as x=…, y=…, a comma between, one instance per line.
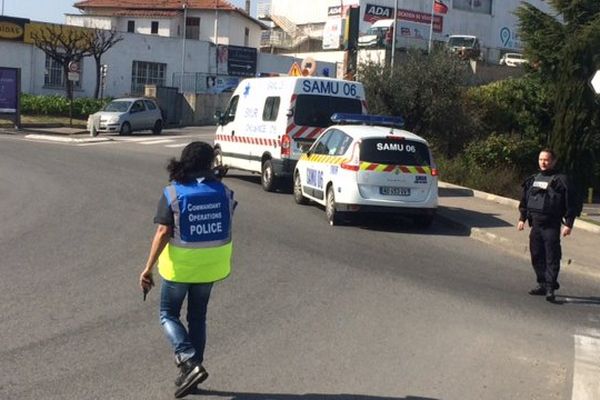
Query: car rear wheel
x=267, y=178
x=298, y=196
x=333, y=216
x=125, y=129
x=157, y=127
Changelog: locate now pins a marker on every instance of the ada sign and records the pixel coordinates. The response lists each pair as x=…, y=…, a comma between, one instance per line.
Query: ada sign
x=595, y=82
x=374, y=12
x=9, y=90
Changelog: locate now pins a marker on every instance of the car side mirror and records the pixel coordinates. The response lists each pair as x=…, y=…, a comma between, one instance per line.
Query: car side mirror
x=290, y=113
x=218, y=117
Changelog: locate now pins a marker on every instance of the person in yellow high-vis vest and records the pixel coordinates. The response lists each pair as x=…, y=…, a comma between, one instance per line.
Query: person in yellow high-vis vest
x=193, y=247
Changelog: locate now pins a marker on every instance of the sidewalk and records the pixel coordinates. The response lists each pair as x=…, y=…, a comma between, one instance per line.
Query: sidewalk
x=492, y=219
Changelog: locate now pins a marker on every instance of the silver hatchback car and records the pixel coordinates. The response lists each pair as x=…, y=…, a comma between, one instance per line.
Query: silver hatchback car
x=127, y=115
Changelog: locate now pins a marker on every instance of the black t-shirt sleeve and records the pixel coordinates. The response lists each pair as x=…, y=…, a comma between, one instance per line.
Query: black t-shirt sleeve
x=164, y=214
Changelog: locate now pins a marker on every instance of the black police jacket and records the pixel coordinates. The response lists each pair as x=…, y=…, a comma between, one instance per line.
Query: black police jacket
x=567, y=205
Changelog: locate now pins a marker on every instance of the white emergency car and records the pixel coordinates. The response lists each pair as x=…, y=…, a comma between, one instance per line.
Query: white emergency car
x=367, y=164
x=269, y=121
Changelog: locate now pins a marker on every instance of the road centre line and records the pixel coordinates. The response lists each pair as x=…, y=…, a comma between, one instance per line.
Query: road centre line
x=586, y=369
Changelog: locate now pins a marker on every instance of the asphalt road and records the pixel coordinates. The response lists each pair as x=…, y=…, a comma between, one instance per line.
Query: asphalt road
x=374, y=312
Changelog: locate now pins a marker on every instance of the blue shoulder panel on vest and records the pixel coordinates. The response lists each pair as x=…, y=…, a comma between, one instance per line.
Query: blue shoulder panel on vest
x=204, y=212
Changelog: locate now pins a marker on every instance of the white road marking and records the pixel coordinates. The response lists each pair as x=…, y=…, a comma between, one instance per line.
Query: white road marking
x=177, y=145
x=586, y=371
x=157, y=141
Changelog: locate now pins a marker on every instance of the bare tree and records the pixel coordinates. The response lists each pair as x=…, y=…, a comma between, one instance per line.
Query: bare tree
x=64, y=45
x=99, y=42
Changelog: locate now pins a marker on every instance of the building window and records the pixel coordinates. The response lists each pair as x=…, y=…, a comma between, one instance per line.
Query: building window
x=154, y=27
x=271, y=109
x=131, y=26
x=54, y=74
x=192, y=28
x=246, y=37
x=477, y=6
x=146, y=73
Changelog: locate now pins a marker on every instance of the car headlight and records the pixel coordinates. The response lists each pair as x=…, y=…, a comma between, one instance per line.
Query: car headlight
x=113, y=120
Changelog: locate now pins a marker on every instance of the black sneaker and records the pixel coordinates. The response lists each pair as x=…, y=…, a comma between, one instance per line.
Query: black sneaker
x=539, y=290
x=192, y=374
x=550, y=295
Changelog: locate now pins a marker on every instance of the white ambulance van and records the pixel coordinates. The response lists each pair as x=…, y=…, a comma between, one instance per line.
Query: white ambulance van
x=269, y=121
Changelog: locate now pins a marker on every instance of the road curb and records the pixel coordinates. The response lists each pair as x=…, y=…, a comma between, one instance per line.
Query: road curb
x=62, y=139
x=579, y=224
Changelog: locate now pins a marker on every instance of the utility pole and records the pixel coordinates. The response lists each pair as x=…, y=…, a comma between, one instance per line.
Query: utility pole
x=216, y=22
x=394, y=34
x=183, y=46
x=2, y=7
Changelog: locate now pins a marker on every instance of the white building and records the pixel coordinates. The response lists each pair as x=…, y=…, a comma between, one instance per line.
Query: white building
x=216, y=21
x=492, y=21
x=137, y=60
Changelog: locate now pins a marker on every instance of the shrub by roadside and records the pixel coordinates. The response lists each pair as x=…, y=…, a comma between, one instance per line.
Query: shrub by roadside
x=59, y=105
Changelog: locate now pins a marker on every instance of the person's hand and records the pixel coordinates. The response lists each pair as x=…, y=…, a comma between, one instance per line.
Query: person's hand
x=146, y=280
x=521, y=225
x=566, y=231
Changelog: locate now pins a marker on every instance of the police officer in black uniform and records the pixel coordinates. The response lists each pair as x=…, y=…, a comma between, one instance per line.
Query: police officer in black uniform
x=548, y=200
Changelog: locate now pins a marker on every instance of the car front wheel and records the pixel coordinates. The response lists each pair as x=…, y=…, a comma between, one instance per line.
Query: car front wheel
x=298, y=196
x=333, y=216
x=125, y=129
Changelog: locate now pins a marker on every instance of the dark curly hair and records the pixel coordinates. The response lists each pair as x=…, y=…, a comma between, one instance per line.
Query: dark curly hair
x=196, y=158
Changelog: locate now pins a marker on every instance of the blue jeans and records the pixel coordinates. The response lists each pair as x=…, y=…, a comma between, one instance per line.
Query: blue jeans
x=189, y=343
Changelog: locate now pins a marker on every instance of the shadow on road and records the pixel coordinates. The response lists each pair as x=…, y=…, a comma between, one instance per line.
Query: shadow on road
x=255, y=179
x=307, y=396
x=566, y=299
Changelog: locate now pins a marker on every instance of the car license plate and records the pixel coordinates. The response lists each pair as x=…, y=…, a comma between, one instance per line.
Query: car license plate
x=394, y=191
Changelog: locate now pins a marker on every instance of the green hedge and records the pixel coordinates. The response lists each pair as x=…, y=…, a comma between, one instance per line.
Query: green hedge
x=59, y=105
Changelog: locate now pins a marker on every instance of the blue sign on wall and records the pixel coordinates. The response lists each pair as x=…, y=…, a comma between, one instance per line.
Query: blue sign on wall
x=241, y=61
x=9, y=90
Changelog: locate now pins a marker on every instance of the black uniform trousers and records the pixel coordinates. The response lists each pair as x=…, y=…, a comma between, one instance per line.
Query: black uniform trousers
x=544, y=245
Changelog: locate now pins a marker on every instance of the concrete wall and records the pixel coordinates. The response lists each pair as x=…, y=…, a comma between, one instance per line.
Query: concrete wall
x=199, y=109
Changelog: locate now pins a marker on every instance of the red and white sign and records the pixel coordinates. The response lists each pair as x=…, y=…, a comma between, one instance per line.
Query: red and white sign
x=439, y=7
x=422, y=18
x=74, y=66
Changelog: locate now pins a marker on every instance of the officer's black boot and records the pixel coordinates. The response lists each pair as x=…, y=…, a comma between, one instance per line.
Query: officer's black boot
x=192, y=374
x=550, y=293
x=539, y=290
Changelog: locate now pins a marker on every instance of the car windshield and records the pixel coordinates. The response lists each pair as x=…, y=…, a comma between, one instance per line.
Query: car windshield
x=316, y=111
x=117, y=106
x=394, y=152
x=375, y=31
x=517, y=56
x=461, y=42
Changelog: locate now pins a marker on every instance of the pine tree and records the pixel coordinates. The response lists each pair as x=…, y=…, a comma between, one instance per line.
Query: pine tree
x=564, y=49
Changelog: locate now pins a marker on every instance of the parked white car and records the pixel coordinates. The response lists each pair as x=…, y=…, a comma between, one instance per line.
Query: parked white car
x=127, y=115
x=365, y=164
x=512, y=60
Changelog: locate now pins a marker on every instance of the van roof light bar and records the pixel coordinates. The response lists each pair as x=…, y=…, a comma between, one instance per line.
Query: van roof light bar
x=366, y=119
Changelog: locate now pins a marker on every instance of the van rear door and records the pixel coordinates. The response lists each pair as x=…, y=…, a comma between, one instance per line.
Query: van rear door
x=312, y=114
x=395, y=169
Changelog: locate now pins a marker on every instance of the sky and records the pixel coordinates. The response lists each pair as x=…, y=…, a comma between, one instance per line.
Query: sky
x=51, y=10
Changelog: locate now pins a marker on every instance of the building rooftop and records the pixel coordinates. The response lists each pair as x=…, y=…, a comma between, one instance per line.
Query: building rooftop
x=158, y=4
